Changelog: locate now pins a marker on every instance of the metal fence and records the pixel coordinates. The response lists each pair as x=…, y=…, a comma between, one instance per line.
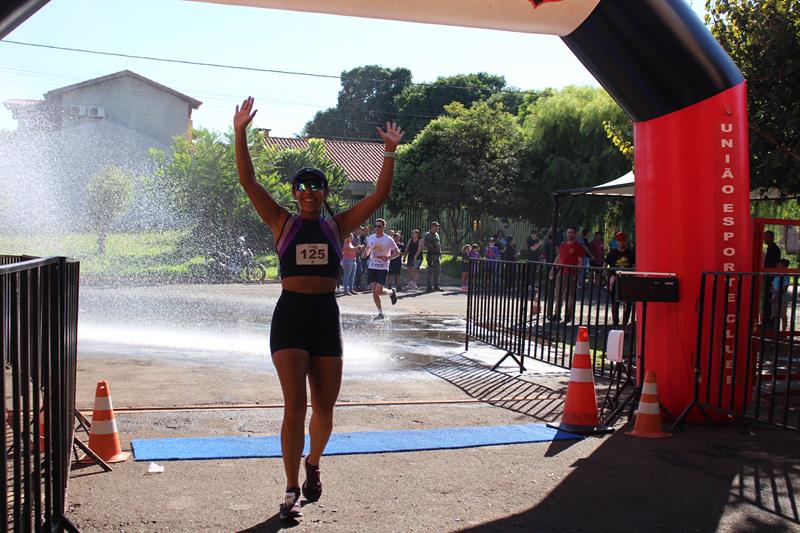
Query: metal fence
x=747, y=360
x=532, y=310
x=38, y=335
x=468, y=230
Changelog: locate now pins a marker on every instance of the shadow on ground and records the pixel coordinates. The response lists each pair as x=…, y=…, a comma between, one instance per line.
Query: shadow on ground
x=706, y=479
x=515, y=393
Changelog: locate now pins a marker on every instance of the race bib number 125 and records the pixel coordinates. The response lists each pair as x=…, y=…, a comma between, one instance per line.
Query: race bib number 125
x=311, y=254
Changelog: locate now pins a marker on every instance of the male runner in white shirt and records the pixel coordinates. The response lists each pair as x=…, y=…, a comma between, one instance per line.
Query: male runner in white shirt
x=381, y=249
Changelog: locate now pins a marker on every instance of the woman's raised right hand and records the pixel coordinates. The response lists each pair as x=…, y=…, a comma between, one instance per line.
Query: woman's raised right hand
x=244, y=114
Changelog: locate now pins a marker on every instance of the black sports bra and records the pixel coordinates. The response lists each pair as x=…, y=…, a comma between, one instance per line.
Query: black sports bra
x=309, y=248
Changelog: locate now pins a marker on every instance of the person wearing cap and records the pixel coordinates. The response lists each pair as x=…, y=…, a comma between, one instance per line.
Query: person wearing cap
x=305, y=333
x=433, y=247
x=623, y=257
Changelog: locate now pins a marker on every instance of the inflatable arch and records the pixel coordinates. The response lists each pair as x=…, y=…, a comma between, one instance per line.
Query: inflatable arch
x=687, y=101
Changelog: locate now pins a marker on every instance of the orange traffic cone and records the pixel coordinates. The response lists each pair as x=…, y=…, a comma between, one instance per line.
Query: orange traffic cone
x=580, y=408
x=648, y=416
x=10, y=424
x=103, y=435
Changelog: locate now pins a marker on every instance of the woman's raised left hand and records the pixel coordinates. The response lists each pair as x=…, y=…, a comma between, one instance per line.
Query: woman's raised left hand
x=391, y=135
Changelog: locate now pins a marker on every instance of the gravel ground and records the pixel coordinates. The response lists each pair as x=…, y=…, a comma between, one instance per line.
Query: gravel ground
x=702, y=479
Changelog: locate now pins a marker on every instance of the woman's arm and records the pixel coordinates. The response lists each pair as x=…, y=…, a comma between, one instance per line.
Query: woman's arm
x=356, y=215
x=268, y=209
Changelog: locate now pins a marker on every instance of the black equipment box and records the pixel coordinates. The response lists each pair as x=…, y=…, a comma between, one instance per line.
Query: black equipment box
x=632, y=288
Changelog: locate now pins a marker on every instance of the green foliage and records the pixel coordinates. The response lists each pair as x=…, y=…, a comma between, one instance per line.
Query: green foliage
x=108, y=197
x=464, y=162
x=623, y=142
x=275, y=168
x=566, y=146
x=786, y=209
x=419, y=104
x=366, y=100
x=203, y=185
x=763, y=39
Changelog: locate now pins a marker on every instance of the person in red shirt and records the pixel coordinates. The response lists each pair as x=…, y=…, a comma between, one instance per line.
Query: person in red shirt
x=570, y=254
x=598, y=250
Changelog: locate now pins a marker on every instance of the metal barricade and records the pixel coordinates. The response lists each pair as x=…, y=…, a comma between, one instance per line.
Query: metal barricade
x=747, y=362
x=38, y=335
x=533, y=310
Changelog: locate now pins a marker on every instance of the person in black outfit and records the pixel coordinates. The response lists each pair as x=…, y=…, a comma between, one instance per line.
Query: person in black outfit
x=534, y=248
x=771, y=257
x=305, y=333
x=622, y=257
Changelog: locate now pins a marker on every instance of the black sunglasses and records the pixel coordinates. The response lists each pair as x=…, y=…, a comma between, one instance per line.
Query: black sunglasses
x=309, y=185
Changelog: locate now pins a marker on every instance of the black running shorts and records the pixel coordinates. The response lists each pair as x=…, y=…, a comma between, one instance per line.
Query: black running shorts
x=378, y=276
x=307, y=322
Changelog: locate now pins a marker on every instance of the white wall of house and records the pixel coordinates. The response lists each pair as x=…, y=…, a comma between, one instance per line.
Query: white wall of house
x=131, y=103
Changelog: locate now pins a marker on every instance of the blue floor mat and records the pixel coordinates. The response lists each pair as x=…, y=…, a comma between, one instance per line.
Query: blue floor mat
x=347, y=443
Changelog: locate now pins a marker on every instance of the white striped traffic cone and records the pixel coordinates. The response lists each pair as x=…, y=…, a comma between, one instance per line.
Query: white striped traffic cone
x=648, y=415
x=103, y=435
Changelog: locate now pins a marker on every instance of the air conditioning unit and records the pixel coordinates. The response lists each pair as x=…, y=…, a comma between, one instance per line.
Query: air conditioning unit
x=95, y=111
x=77, y=111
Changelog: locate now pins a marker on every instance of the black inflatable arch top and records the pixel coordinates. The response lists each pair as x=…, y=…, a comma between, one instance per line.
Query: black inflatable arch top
x=653, y=56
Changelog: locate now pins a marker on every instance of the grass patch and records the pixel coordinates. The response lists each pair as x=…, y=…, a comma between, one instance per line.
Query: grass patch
x=127, y=254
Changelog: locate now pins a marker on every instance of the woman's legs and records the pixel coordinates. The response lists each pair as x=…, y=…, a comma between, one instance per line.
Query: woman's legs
x=349, y=275
x=352, y=277
x=292, y=367
x=325, y=379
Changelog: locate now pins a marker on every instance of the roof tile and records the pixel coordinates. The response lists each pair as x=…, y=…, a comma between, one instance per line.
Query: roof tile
x=361, y=161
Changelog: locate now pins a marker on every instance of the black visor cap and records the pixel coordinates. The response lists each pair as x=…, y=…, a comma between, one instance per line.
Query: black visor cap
x=310, y=173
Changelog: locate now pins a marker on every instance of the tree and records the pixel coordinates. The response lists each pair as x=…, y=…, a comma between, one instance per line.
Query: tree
x=366, y=100
x=566, y=146
x=763, y=39
x=108, y=197
x=464, y=162
x=276, y=167
x=203, y=185
x=417, y=105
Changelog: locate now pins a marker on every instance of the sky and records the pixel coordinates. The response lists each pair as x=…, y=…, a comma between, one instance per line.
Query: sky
x=263, y=39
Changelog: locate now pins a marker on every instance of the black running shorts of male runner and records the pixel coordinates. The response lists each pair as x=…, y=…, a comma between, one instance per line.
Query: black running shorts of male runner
x=308, y=322
x=378, y=276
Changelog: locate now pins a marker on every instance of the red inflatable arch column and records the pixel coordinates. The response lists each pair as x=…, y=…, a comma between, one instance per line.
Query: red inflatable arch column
x=688, y=103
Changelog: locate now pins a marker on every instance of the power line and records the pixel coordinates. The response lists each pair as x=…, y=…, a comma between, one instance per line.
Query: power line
x=179, y=61
x=254, y=69
x=225, y=96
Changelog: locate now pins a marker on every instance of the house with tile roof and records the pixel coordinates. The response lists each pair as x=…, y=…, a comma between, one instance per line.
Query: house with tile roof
x=74, y=131
x=360, y=160
x=125, y=98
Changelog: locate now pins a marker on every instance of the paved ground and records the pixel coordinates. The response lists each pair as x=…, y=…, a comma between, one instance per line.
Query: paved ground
x=703, y=479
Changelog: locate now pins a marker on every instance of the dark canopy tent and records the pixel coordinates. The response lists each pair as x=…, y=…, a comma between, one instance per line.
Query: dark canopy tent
x=623, y=187
x=620, y=187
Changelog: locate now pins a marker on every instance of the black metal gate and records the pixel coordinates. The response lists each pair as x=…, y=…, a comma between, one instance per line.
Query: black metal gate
x=747, y=361
x=38, y=335
x=533, y=310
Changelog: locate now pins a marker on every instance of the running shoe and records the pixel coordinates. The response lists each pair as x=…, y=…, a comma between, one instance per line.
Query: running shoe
x=290, y=508
x=393, y=297
x=312, y=486
x=379, y=317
